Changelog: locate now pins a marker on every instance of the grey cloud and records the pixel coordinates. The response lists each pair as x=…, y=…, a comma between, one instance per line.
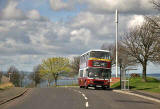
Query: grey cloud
x=124, y=6
x=106, y=6
x=35, y=37
x=11, y=11
x=29, y=40
x=58, y=5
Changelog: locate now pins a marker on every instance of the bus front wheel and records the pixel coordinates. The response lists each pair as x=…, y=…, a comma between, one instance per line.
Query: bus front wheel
x=86, y=87
x=104, y=87
x=80, y=86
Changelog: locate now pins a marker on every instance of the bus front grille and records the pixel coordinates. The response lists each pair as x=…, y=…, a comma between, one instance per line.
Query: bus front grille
x=98, y=82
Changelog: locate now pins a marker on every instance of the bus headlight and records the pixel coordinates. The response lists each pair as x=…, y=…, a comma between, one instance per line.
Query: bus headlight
x=90, y=81
x=106, y=82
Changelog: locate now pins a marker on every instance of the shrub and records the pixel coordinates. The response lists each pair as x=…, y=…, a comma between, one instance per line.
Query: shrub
x=135, y=75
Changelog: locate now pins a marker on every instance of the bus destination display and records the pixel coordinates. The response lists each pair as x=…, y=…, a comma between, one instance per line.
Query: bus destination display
x=99, y=63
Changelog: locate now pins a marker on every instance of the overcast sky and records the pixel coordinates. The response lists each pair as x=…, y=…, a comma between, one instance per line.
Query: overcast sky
x=32, y=30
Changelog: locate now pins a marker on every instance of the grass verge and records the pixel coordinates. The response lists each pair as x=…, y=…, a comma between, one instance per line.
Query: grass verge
x=152, y=84
x=6, y=86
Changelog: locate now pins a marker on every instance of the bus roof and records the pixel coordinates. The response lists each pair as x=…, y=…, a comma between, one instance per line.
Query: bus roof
x=95, y=50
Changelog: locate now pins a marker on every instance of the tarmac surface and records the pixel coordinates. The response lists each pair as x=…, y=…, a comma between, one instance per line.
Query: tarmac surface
x=148, y=94
x=76, y=98
x=11, y=93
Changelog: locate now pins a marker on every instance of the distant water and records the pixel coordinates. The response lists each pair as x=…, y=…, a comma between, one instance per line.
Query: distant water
x=72, y=81
x=154, y=75
x=61, y=82
x=157, y=76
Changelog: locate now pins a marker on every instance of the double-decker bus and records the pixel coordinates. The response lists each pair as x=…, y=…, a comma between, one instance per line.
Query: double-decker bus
x=95, y=69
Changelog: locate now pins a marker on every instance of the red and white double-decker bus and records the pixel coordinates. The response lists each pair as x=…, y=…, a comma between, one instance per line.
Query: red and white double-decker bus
x=95, y=69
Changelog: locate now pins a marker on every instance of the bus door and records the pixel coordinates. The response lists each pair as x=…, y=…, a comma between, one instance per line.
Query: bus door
x=85, y=76
x=80, y=79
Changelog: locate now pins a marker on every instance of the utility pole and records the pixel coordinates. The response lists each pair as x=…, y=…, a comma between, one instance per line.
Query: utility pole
x=116, y=21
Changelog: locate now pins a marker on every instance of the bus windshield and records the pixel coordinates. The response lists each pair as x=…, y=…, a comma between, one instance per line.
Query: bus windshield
x=99, y=54
x=98, y=73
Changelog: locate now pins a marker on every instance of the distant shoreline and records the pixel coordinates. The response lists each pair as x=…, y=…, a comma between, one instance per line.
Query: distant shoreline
x=155, y=75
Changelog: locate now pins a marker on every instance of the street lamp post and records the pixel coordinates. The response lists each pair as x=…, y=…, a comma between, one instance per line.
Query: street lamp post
x=120, y=65
x=116, y=21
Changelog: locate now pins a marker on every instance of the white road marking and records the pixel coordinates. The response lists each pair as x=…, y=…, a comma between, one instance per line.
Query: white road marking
x=79, y=91
x=87, y=104
x=84, y=96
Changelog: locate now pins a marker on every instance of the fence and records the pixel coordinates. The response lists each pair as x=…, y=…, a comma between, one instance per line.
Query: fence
x=67, y=82
x=61, y=82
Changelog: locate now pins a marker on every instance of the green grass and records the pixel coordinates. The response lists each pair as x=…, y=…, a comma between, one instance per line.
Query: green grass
x=152, y=84
x=116, y=85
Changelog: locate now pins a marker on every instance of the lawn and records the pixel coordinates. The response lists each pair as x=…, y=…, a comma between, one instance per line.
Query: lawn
x=152, y=84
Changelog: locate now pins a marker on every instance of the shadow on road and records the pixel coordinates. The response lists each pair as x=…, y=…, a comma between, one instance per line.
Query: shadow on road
x=131, y=101
x=99, y=88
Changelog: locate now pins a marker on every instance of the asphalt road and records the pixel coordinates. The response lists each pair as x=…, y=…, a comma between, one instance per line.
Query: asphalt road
x=75, y=98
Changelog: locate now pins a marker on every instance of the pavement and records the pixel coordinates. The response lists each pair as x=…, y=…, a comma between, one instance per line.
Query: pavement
x=142, y=95
x=11, y=93
x=76, y=98
x=148, y=94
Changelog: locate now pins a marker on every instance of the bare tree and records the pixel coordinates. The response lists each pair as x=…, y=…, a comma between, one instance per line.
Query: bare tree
x=35, y=76
x=1, y=74
x=22, y=76
x=123, y=60
x=15, y=76
x=111, y=48
x=142, y=44
x=75, y=65
x=155, y=21
x=156, y=4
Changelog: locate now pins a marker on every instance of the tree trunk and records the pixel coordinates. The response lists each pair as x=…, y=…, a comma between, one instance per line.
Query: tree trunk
x=144, y=71
x=49, y=83
x=55, y=82
x=35, y=84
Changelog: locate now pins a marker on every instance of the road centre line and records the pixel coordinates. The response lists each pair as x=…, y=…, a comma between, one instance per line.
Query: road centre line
x=79, y=91
x=84, y=96
x=87, y=104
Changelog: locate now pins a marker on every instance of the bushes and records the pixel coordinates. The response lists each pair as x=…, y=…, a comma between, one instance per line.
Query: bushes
x=1, y=76
x=134, y=75
x=6, y=86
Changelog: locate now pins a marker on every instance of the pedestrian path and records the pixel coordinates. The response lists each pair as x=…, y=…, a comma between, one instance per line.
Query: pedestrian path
x=148, y=94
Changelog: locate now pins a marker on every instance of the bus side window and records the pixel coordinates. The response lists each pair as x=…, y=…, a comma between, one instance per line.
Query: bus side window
x=81, y=73
x=84, y=73
x=87, y=73
x=83, y=59
x=87, y=56
x=109, y=55
x=80, y=59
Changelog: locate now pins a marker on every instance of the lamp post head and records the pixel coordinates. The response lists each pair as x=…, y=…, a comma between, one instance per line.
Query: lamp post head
x=116, y=17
